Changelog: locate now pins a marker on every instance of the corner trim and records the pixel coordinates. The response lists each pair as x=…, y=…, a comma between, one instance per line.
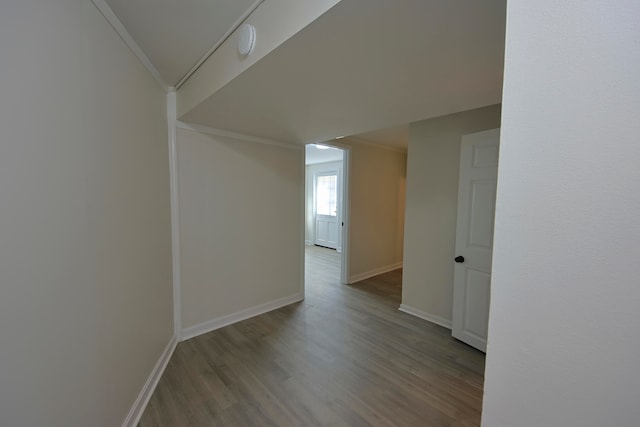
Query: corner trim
x=440, y=321
x=117, y=26
x=234, y=135
x=136, y=411
x=175, y=214
x=375, y=272
x=220, y=322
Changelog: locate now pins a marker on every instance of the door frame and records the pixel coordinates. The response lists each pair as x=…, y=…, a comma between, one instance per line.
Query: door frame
x=346, y=214
x=345, y=208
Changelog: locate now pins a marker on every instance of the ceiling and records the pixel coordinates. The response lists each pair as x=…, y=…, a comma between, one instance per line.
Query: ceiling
x=314, y=155
x=396, y=137
x=367, y=64
x=176, y=34
x=363, y=65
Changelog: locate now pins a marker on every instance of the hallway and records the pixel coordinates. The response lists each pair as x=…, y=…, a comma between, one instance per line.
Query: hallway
x=344, y=356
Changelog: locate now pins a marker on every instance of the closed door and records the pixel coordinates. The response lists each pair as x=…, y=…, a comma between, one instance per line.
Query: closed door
x=326, y=209
x=474, y=237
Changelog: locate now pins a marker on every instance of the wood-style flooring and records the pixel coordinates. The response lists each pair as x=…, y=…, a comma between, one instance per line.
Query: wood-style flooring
x=343, y=357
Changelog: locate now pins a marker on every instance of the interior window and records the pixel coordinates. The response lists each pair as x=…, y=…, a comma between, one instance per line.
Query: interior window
x=326, y=195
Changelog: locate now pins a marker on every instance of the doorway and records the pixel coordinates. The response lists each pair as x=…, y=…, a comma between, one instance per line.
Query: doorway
x=326, y=206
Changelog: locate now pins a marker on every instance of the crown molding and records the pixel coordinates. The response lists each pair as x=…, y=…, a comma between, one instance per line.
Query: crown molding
x=234, y=135
x=115, y=23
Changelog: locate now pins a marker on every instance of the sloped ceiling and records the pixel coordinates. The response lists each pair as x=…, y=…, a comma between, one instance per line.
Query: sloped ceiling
x=367, y=64
x=176, y=34
x=363, y=65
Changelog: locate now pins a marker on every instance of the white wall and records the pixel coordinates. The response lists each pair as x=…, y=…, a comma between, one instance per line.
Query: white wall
x=241, y=226
x=563, y=344
x=85, y=254
x=433, y=163
x=376, y=208
x=310, y=218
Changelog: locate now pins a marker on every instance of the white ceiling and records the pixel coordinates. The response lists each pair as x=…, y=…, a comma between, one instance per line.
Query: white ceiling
x=367, y=64
x=176, y=34
x=314, y=155
x=396, y=136
x=363, y=65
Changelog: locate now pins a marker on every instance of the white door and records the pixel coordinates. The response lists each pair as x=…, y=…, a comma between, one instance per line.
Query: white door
x=326, y=209
x=474, y=237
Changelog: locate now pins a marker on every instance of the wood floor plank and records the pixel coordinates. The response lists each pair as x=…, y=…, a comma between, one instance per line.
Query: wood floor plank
x=343, y=357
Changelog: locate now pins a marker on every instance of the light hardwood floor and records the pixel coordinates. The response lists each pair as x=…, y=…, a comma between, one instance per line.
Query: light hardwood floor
x=344, y=357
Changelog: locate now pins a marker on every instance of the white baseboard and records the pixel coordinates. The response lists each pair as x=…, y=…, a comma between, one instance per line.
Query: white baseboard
x=308, y=242
x=440, y=321
x=358, y=277
x=133, y=418
x=212, y=325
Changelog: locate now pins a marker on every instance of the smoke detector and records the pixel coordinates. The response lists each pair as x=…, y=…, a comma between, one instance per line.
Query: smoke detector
x=246, y=39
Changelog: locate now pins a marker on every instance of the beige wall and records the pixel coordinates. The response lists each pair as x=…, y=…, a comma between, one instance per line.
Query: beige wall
x=85, y=255
x=431, y=209
x=376, y=198
x=241, y=224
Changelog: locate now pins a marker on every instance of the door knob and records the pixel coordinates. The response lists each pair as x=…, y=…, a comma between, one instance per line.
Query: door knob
x=459, y=258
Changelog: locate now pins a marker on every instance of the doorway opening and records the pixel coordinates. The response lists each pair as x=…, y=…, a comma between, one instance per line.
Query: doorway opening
x=326, y=213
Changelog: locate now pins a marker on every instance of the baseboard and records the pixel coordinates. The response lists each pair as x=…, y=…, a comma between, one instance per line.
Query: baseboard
x=133, y=418
x=220, y=322
x=358, y=277
x=440, y=321
x=308, y=242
